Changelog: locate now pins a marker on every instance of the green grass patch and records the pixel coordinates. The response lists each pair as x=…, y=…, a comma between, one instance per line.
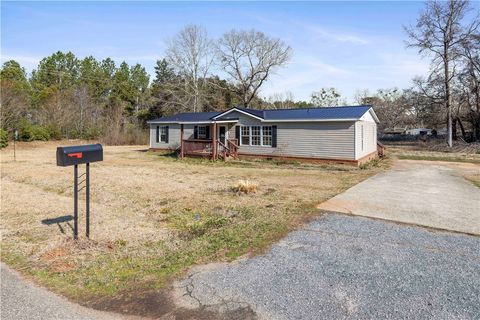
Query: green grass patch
x=474, y=179
x=438, y=158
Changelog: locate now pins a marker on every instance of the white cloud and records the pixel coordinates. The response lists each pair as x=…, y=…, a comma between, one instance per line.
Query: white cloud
x=323, y=33
x=29, y=62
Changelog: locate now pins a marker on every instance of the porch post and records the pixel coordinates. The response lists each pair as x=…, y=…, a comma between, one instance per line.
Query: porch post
x=181, y=142
x=214, y=141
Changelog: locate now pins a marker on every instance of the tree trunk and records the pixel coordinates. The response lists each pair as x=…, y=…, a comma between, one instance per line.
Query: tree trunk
x=454, y=129
x=464, y=134
x=476, y=126
x=447, y=95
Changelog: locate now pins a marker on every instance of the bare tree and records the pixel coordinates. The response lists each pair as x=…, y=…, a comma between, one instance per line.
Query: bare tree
x=281, y=100
x=327, y=97
x=191, y=55
x=249, y=57
x=439, y=32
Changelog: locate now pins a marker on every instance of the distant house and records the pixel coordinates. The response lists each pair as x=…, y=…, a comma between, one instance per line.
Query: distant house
x=340, y=134
x=419, y=131
x=394, y=131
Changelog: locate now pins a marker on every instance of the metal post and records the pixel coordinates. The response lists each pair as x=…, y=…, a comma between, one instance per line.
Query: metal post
x=214, y=140
x=87, y=200
x=75, y=202
x=15, y=137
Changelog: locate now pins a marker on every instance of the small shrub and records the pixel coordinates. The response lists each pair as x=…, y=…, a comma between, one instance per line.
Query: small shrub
x=245, y=186
x=3, y=138
x=31, y=132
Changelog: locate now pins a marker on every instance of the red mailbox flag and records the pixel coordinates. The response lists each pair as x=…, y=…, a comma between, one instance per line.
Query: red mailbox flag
x=77, y=155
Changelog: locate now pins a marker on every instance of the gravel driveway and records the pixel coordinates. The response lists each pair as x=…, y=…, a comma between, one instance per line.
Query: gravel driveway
x=427, y=193
x=345, y=267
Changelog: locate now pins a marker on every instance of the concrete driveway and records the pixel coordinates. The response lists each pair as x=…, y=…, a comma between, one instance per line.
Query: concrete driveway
x=427, y=193
x=346, y=267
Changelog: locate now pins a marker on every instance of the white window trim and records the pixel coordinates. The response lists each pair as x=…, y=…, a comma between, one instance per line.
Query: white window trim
x=160, y=129
x=241, y=135
x=250, y=136
x=271, y=136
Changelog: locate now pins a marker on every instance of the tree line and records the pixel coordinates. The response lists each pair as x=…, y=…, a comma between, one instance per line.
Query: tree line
x=70, y=97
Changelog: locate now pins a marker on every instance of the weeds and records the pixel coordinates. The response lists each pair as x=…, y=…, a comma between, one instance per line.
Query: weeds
x=474, y=179
x=245, y=186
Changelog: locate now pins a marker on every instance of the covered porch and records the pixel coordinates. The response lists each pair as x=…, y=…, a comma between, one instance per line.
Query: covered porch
x=213, y=139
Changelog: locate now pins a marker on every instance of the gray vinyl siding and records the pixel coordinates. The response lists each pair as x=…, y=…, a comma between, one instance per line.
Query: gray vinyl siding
x=173, y=136
x=174, y=132
x=188, y=131
x=369, y=138
x=324, y=140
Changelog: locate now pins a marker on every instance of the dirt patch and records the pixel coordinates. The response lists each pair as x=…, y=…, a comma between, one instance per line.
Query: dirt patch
x=158, y=304
x=54, y=254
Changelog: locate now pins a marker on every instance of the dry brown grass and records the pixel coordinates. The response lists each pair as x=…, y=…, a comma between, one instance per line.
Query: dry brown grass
x=416, y=151
x=474, y=178
x=152, y=215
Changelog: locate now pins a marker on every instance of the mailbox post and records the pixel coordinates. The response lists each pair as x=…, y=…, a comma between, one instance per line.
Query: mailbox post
x=75, y=155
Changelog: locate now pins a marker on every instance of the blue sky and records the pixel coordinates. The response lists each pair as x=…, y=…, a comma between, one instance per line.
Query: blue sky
x=347, y=45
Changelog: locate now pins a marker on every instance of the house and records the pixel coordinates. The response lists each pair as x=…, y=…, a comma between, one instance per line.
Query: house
x=419, y=131
x=394, y=131
x=338, y=134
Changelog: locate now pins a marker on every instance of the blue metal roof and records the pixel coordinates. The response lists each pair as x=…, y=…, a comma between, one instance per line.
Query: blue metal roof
x=347, y=112
x=188, y=117
x=322, y=113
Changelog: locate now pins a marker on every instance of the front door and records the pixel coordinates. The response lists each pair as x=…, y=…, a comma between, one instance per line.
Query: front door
x=222, y=134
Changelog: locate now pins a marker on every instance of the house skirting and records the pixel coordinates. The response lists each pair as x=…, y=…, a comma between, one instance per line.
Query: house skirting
x=358, y=162
x=249, y=156
x=368, y=158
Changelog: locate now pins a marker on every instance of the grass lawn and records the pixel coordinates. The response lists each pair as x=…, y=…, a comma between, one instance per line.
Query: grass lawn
x=153, y=216
x=417, y=153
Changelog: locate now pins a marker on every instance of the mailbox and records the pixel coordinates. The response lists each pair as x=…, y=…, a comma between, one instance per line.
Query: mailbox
x=73, y=155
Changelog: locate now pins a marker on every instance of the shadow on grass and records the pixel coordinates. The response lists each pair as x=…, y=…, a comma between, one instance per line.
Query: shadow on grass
x=58, y=221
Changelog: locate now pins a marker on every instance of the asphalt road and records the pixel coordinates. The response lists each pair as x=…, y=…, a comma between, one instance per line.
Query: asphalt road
x=22, y=300
x=345, y=267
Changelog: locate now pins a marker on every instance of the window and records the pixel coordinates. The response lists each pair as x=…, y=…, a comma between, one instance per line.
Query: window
x=267, y=136
x=245, y=136
x=256, y=136
x=163, y=134
x=202, y=132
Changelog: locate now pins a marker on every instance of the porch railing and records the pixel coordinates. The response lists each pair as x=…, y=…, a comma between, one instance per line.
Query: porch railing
x=204, y=148
x=232, y=145
x=197, y=147
x=230, y=149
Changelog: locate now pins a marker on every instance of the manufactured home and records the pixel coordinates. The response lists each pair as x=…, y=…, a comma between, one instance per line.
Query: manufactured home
x=337, y=134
